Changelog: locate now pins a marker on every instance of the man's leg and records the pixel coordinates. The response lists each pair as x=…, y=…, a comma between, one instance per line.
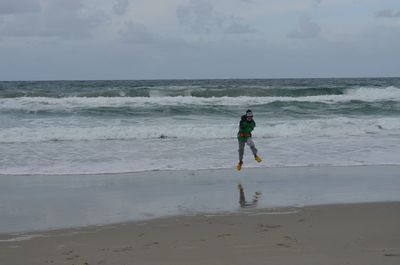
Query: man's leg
x=241, y=150
x=253, y=149
x=252, y=146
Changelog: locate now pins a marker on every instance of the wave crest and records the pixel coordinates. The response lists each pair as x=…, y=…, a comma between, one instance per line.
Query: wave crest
x=71, y=103
x=296, y=128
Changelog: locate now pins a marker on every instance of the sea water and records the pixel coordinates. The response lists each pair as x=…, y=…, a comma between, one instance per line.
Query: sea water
x=322, y=141
x=96, y=127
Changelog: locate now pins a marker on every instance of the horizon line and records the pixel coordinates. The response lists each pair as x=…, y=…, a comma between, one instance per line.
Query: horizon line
x=199, y=79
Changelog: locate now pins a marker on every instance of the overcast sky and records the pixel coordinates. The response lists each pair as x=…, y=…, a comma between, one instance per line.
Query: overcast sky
x=164, y=39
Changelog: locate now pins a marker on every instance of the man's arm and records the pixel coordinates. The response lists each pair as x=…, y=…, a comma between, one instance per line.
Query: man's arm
x=241, y=125
x=251, y=125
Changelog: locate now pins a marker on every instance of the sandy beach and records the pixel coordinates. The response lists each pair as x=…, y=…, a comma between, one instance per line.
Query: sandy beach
x=332, y=234
x=194, y=217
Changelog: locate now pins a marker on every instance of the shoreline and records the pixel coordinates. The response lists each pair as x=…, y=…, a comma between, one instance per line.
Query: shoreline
x=282, y=210
x=257, y=167
x=46, y=202
x=357, y=233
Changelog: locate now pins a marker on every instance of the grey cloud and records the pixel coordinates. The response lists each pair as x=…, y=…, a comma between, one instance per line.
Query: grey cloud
x=57, y=18
x=317, y=3
x=201, y=17
x=306, y=28
x=239, y=28
x=19, y=6
x=136, y=33
x=390, y=13
x=120, y=7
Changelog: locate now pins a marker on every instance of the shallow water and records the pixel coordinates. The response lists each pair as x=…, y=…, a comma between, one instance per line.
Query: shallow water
x=44, y=202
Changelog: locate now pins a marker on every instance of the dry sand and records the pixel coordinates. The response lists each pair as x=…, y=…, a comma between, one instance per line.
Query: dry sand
x=332, y=234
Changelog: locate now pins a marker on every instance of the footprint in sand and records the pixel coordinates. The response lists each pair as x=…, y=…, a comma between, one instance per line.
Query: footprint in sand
x=151, y=244
x=392, y=255
x=266, y=227
x=283, y=245
x=69, y=252
x=290, y=238
x=223, y=235
x=273, y=226
x=73, y=257
x=127, y=248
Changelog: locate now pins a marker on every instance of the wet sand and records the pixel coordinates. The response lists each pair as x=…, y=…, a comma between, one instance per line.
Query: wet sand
x=365, y=233
x=44, y=202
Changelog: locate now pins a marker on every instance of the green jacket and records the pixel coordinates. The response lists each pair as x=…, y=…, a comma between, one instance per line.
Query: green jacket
x=245, y=129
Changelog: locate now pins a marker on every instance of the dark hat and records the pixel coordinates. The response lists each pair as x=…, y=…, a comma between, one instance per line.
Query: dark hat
x=249, y=113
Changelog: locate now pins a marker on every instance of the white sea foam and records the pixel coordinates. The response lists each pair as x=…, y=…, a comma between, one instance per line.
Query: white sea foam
x=66, y=149
x=339, y=126
x=78, y=143
x=102, y=157
x=366, y=94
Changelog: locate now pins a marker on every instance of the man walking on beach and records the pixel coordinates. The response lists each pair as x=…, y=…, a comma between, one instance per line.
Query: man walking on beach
x=246, y=126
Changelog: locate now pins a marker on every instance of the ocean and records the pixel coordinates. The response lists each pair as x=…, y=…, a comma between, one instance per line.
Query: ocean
x=101, y=127
x=77, y=153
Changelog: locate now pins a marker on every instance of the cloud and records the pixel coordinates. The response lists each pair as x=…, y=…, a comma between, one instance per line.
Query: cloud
x=239, y=28
x=389, y=13
x=201, y=17
x=306, y=28
x=19, y=6
x=57, y=18
x=120, y=7
x=317, y=3
x=136, y=33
